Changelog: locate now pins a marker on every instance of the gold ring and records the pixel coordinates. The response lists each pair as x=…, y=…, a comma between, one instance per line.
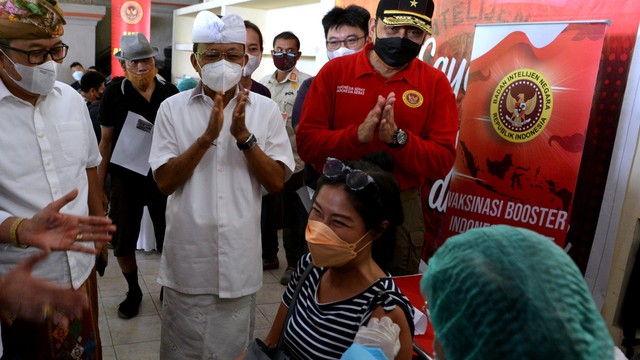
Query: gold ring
x=47, y=311
x=80, y=236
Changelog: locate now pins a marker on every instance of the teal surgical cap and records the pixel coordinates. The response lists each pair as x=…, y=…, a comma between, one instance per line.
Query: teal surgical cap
x=187, y=84
x=508, y=293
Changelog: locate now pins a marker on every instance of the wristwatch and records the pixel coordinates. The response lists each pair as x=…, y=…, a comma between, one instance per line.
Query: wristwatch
x=399, y=139
x=248, y=144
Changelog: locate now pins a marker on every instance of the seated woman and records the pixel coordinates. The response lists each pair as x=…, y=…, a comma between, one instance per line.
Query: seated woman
x=355, y=204
x=505, y=293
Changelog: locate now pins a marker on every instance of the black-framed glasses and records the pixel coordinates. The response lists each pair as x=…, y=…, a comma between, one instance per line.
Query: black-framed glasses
x=282, y=53
x=214, y=55
x=37, y=57
x=355, y=179
x=350, y=43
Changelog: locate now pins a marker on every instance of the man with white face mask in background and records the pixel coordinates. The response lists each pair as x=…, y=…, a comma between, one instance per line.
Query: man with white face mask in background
x=254, y=48
x=215, y=149
x=346, y=31
x=48, y=148
x=271, y=215
x=77, y=70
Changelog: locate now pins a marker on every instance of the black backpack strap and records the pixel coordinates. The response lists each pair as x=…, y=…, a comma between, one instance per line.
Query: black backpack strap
x=399, y=300
x=292, y=304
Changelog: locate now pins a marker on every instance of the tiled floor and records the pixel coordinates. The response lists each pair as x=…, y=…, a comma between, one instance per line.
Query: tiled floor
x=139, y=338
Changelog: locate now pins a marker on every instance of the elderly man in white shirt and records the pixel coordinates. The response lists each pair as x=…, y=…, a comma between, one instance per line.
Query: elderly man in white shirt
x=215, y=149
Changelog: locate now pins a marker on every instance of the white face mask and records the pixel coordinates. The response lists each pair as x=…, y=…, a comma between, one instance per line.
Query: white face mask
x=340, y=52
x=36, y=80
x=221, y=75
x=77, y=75
x=252, y=65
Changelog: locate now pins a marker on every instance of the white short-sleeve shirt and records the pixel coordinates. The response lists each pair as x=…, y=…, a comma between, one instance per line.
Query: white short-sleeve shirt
x=212, y=242
x=46, y=150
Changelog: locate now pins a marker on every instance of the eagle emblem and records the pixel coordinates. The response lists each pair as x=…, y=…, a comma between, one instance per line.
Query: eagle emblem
x=412, y=99
x=131, y=12
x=521, y=105
x=520, y=108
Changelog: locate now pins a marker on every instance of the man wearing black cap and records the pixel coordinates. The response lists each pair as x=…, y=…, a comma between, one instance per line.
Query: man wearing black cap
x=384, y=98
x=48, y=148
x=134, y=98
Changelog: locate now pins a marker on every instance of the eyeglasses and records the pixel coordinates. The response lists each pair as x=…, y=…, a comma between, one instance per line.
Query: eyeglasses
x=214, y=55
x=350, y=43
x=37, y=57
x=355, y=179
x=281, y=53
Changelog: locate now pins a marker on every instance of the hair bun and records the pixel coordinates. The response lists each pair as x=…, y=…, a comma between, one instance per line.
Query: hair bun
x=381, y=159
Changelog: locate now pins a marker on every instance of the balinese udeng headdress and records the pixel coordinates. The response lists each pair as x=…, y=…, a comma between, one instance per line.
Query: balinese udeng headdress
x=208, y=28
x=30, y=19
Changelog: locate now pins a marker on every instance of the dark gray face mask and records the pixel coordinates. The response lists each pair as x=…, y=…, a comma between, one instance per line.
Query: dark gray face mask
x=396, y=51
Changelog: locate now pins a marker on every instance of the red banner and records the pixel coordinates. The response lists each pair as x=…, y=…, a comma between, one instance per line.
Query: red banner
x=522, y=131
x=450, y=50
x=128, y=17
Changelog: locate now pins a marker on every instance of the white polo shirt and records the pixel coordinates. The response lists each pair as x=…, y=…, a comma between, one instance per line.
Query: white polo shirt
x=212, y=242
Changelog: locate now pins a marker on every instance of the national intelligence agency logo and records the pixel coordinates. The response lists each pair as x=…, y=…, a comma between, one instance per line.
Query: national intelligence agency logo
x=131, y=12
x=412, y=99
x=521, y=105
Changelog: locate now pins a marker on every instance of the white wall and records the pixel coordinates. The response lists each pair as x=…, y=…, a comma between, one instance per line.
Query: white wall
x=302, y=20
x=616, y=240
x=306, y=22
x=80, y=35
x=161, y=30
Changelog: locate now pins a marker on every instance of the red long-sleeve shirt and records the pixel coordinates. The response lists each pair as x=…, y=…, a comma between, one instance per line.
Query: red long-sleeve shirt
x=347, y=88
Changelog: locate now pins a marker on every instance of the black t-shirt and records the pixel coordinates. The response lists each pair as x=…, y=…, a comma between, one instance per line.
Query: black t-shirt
x=94, y=107
x=119, y=98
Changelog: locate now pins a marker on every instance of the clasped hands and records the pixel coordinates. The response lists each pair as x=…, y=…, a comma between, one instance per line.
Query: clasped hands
x=381, y=119
x=238, y=128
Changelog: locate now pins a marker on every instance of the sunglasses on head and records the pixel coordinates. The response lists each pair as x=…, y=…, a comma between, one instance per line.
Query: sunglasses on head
x=355, y=179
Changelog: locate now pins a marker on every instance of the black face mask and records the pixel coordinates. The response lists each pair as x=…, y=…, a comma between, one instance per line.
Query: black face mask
x=396, y=51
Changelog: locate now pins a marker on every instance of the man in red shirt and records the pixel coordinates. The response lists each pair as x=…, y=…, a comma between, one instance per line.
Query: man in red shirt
x=384, y=98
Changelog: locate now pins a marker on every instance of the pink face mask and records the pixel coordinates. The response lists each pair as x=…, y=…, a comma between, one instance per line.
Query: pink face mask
x=327, y=248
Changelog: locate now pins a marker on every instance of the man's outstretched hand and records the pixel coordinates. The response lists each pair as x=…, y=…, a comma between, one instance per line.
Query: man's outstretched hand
x=51, y=230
